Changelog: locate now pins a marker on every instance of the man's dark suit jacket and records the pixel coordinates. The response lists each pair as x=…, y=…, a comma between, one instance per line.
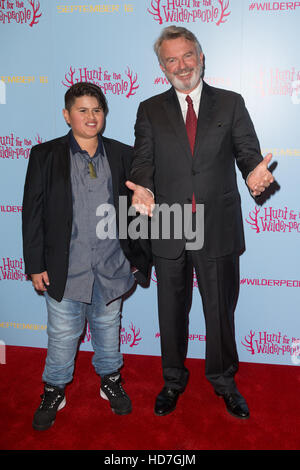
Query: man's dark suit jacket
x=47, y=210
x=163, y=162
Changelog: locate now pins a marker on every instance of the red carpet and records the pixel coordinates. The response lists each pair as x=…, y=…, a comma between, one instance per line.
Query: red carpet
x=199, y=422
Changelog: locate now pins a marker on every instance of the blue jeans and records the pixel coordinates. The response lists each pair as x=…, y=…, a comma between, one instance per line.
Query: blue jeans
x=66, y=321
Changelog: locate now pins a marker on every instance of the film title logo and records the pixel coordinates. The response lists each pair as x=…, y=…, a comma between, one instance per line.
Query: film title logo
x=109, y=82
x=190, y=11
x=15, y=148
x=20, y=12
x=130, y=337
x=12, y=269
x=274, y=220
x=273, y=344
x=278, y=82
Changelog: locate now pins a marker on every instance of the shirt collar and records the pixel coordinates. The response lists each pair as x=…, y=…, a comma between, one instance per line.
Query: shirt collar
x=75, y=147
x=195, y=94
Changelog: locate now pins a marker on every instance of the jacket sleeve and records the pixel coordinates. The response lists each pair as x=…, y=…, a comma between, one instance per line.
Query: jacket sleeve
x=142, y=169
x=32, y=217
x=246, y=144
x=137, y=251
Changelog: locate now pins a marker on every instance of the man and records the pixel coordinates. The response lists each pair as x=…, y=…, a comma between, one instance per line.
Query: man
x=188, y=140
x=83, y=276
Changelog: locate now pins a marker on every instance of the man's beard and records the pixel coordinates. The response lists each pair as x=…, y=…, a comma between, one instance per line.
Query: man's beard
x=186, y=86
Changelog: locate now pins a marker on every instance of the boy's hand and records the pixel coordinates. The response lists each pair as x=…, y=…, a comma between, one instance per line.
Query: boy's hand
x=40, y=281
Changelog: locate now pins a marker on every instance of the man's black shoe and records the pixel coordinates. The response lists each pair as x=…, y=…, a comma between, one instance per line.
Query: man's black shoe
x=53, y=400
x=235, y=403
x=112, y=390
x=166, y=401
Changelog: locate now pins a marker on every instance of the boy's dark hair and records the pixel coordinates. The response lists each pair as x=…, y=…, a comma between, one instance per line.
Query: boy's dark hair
x=83, y=89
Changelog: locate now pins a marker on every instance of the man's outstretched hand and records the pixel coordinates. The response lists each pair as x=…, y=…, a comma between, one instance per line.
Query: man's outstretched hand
x=260, y=178
x=142, y=199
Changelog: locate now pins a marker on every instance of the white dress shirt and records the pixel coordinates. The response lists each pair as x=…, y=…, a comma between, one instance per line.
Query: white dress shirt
x=195, y=97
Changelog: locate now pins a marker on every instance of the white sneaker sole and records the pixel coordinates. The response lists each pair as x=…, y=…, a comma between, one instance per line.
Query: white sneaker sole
x=102, y=395
x=62, y=405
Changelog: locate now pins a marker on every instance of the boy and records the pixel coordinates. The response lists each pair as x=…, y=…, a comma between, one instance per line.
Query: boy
x=82, y=276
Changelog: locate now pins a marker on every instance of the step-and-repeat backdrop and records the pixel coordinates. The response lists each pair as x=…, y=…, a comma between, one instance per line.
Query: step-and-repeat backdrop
x=251, y=47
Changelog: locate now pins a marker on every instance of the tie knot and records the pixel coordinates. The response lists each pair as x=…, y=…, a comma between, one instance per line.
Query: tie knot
x=189, y=100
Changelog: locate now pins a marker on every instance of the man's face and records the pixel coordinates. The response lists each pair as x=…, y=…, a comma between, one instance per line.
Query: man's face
x=85, y=117
x=182, y=64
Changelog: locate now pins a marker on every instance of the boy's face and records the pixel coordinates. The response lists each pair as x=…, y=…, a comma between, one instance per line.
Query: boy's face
x=85, y=117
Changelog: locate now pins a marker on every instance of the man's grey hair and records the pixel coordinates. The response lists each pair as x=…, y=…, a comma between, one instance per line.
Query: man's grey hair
x=174, y=32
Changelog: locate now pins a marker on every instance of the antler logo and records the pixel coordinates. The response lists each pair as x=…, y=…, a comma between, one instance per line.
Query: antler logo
x=189, y=11
x=19, y=13
x=109, y=82
x=131, y=339
x=249, y=342
x=35, y=9
x=253, y=219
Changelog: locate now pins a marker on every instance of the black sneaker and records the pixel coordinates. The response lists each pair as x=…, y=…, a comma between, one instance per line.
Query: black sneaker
x=112, y=390
x=53, y=400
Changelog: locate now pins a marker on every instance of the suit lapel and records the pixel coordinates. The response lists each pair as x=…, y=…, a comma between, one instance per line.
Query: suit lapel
x=174, y=114
x=206, y=108
x=173, y=111
x=62, y=153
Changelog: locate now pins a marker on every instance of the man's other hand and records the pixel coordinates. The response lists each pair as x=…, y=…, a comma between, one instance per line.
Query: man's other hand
x=260, y=178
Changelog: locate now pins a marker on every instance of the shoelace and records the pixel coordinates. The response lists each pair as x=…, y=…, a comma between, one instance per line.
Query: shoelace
x=114, y=388
x=48, y=401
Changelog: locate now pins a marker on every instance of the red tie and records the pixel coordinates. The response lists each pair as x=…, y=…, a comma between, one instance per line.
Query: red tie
x=191, y=128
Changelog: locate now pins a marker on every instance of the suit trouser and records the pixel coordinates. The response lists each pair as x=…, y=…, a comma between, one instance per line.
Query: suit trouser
x=218, y=283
